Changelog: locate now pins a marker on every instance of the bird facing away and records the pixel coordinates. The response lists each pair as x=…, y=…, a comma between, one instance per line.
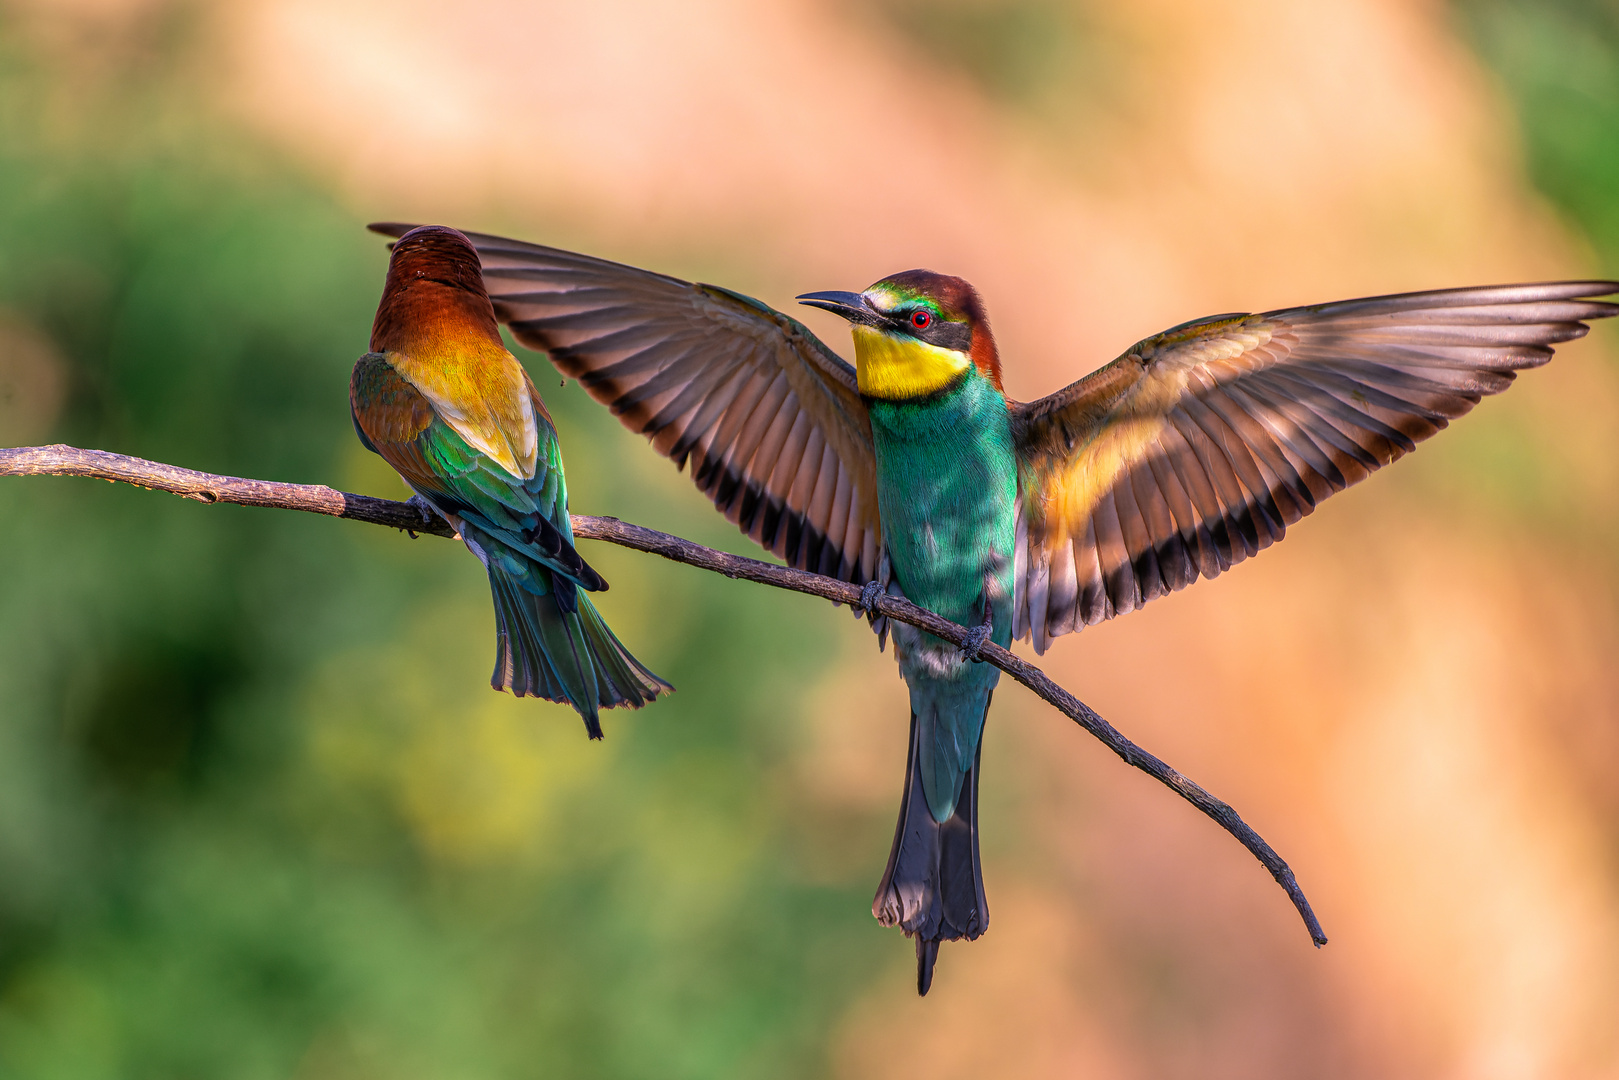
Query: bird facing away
x=443, y=401
x=913, y=472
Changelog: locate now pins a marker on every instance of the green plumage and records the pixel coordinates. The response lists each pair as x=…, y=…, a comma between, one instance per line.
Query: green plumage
x=550, y=640
x=946, y=496
x=946, y=493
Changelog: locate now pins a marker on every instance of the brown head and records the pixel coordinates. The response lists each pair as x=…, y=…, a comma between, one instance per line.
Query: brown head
x=915, y=332
x=434, y=289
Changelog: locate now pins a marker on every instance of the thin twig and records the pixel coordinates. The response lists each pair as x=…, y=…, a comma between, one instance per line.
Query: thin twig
x=207, y=487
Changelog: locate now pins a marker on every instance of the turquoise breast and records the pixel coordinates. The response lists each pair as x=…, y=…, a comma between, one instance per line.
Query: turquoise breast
x=946, y=493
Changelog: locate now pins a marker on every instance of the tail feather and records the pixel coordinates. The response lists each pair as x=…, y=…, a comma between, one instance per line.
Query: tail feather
x=933, y=888
x=519, y=657
x=546, y=651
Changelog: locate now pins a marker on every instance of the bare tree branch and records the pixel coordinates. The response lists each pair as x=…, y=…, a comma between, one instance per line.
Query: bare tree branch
x=207, y=487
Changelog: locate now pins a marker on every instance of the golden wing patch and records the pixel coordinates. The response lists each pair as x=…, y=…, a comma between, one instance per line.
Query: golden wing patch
x=1199, y=447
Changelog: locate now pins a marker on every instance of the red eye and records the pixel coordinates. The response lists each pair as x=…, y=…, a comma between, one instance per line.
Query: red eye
x=921, y=319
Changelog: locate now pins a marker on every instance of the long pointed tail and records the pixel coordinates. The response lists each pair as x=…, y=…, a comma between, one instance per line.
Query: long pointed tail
x=543, y=649
x=933, y=888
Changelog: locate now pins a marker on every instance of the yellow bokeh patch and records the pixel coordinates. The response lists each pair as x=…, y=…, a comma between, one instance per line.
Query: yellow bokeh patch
x=477, y=776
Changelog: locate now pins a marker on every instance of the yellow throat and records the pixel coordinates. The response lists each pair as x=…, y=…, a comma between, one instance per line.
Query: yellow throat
x=895, y=368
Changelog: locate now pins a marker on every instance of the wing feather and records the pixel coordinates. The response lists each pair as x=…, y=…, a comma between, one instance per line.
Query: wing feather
x=766, y=418
x=1199, y=447
x=1064, y=583
x=1082, y=572
x=527, y=514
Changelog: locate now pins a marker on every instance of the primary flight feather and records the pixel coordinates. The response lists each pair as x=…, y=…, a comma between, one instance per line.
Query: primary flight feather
x=912, y=470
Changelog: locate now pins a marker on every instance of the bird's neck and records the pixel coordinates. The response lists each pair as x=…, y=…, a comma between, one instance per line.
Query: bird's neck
x=427, y=318
x=894, y=368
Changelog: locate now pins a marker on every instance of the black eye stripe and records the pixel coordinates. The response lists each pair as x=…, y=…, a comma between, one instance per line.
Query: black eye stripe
x=950, y=335
x=942, y=332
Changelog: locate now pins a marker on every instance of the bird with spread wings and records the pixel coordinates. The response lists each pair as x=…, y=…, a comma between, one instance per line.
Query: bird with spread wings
x=1193, y=451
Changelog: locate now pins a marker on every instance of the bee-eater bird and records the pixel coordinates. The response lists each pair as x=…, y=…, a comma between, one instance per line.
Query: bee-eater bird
x=913, y=472
x=444, y=402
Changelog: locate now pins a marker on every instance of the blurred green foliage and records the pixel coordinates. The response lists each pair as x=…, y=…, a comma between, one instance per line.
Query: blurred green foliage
x=260, y=815
x=1054, y=65
x=1017, y=50
x=1558, y=62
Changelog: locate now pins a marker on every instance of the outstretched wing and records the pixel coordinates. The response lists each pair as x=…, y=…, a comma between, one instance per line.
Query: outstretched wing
x=768, y=417
x=1198, y=447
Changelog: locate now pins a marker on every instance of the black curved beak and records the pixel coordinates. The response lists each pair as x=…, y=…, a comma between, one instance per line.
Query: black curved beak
x=851, y=306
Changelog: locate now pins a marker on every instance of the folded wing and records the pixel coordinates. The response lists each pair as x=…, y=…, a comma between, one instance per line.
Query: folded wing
x=528, y=514
x=768, y=418
x=1200, y=446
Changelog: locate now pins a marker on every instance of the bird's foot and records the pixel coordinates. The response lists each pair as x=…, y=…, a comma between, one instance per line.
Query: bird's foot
x=974, y=643
x=869, y=592
x=424, y=508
